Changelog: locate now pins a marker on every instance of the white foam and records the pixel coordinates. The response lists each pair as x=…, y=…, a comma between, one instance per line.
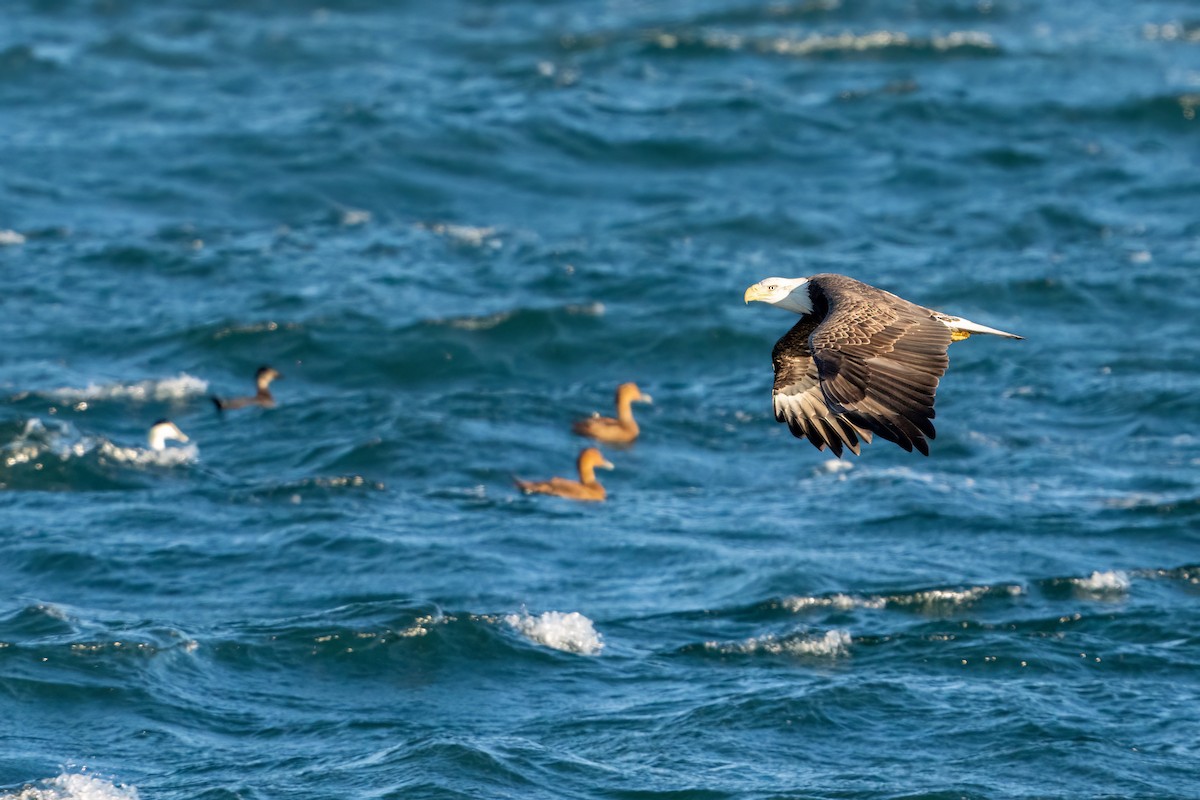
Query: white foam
x=830, y=644
x=1111, y=582
x=168, y=457
x=1135, y=500
x=74, y=786
x=834, y=466
x=931, y=600
x=815, y=44
x=839, y=602
x=354, y=216
x=38, y=442
x=571, y=632
x=472, y=235
x=180, y=387
x=934, y=598
x=11, y=237
x=593, y=309
x=927, y=600
x=1170, y=32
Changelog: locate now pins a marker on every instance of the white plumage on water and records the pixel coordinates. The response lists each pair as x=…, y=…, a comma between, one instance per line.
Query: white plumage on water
x=162, y=431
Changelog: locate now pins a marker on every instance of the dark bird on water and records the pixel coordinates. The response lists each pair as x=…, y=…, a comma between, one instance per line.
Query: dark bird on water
x=860, y=362
x=262, y=398
x=586, y=488
x=621, y=429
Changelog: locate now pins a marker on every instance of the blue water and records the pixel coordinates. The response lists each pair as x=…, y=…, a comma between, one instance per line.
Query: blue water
x=455, y=227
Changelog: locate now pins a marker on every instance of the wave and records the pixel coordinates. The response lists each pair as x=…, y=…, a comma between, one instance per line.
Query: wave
x=74, y=786
x=1099, y=585
x=938, y=601
x=1102, y=584
x=571, y=632
x=141, y=456
x=42, y=628
x=56, y=455
x=924, y=601
x=181, y=387
x=137, y=49
x=371, y=631
x=22, y=61
x=520, y=316
x=1172, y=32
x=830, y=644
x=817, y=44
x=61, y=440
x=316, y=487
x=470, y=235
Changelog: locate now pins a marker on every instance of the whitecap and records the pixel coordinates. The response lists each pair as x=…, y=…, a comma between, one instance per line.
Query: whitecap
x=10, y=238
x=472, y=235
x=931, y=599
x=818, y=44
x=834, y=466
x=354, y=216
x=74, y=786
x=571, y=632
x=938, y=600
x=926, y=600
x=61, y=440
x=1102, y=583
x=141, y=456
x=181, y=387
x=36, y=439
x=593, y=309
x=838, y=602
x=831, y=644
x=270, y=326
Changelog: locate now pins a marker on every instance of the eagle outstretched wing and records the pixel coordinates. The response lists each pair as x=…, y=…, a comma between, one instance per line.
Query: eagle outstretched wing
x=798, y=398
x=864, y=361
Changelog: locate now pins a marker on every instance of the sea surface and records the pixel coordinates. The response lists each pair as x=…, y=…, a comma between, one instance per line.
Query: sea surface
x=455, y=226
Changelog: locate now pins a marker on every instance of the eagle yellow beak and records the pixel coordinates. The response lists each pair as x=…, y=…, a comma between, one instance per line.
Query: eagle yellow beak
x=755, y=292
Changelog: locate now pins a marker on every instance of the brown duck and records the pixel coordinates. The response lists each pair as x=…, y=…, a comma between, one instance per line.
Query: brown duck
x=623, y=428
x=586, y=488
x=262, y=398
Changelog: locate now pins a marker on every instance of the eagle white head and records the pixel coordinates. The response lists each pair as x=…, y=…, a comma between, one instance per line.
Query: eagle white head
x=790, y=294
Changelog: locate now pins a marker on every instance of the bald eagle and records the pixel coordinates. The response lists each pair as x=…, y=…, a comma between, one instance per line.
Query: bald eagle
x=860, y=362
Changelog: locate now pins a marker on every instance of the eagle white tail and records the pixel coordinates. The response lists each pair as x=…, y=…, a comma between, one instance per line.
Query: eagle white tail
x=962, y=328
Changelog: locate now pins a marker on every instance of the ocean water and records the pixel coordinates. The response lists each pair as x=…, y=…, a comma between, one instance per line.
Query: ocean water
x=455, y=227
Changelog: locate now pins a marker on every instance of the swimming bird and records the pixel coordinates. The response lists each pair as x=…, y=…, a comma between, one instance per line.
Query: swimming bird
x=158, y=454
x=586, y=488
x=623, y=428
x=860, y=361
x=263, y=397
x=162, y=431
